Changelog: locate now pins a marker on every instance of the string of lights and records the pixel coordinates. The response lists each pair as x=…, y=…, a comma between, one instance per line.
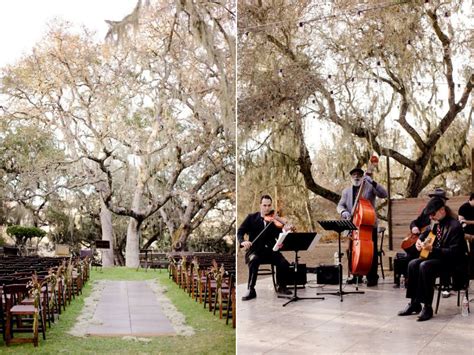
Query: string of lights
x=301, y=22
x=281, y=72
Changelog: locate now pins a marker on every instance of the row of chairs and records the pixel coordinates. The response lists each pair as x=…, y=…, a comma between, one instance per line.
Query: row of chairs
x=153, y=260
x=31, y=302
x=206, y=282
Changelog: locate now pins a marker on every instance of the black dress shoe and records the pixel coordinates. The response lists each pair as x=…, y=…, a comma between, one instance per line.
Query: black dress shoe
x=283, y=290
x=249, y=295
x=426, y=313
x=412, y=308
x=354, y=280
x=372, y=283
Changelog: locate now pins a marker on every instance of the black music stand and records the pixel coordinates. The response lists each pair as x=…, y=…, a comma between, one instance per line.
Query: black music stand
x=338, y=226
x=296, y=242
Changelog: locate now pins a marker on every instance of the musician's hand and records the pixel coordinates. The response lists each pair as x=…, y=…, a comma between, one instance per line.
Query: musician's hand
x=415, y=230
x=419, y=245
x=368, y=179
x=288, y=227
x=428, y=247
x=246, y=244
x=346, y=215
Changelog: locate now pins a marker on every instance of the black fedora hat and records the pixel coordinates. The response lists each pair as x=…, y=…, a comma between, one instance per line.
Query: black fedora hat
x=438, y=192
x=433, y=205
x=356, y=170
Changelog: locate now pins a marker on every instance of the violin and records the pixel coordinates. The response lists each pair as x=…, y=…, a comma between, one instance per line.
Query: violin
x=279, y=222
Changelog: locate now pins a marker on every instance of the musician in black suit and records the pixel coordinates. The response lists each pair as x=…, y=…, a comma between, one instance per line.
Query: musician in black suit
x=423, y=219
x=261, y=249
x=447, y=253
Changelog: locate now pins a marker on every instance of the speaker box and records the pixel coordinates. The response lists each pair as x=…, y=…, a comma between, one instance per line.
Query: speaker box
x=400, y=267
x=327, y=274
x=300, y=275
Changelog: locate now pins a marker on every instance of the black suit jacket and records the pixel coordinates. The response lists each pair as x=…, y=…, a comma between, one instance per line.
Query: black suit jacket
x=252, y=225
x=453, y=246
x=453, y=250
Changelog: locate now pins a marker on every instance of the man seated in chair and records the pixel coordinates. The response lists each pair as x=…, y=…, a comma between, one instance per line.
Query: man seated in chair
x=446, y=254
x=259, y=250
x=421, y=223
x=466, y=217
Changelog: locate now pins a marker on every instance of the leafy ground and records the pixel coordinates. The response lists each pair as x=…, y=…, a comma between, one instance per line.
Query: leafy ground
x=212, y=336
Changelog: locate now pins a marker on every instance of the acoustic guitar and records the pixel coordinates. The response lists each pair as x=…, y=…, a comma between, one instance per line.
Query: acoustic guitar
x=424, y=253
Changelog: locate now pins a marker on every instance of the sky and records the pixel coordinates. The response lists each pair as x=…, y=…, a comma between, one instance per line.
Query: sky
x=23, y=22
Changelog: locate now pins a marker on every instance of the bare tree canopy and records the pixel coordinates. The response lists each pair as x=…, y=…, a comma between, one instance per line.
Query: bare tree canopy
x=321, y=87
x=145, y=121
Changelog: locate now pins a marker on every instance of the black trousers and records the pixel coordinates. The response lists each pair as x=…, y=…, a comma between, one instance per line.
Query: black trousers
x=372, y=275
x=422, y=274
x=266, y=256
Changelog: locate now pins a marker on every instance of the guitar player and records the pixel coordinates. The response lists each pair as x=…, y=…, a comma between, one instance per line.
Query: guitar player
x=447, y=253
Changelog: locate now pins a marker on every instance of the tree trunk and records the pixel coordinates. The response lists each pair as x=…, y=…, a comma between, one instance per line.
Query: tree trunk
x=150, y=241
x=185, y=232
x=107, y=234
x=118, y=253
x=132, y=247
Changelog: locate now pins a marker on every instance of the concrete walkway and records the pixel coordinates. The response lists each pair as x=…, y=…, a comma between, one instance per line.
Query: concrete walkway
x=361, y=324
x=129, y=308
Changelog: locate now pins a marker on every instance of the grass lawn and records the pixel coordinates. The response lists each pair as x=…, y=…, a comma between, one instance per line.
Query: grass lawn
x=212, y=335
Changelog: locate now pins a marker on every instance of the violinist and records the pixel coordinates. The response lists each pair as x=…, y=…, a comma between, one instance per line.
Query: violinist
x=344, y=207
x=260, y=250
x=446, y=252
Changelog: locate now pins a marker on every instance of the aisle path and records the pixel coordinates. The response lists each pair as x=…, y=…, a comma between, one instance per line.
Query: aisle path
x=129, y=308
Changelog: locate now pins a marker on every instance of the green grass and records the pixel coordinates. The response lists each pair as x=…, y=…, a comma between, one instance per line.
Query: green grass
x=212, y=335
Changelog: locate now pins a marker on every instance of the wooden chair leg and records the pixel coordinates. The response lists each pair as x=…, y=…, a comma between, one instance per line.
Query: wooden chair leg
x=234, y=315
x=8, y=334
x=35, y=334
x=437, y=298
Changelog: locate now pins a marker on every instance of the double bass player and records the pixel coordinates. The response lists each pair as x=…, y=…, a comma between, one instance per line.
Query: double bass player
x=370, y=191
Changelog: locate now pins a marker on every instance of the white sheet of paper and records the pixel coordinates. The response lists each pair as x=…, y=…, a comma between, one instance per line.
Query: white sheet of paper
x=279, y=241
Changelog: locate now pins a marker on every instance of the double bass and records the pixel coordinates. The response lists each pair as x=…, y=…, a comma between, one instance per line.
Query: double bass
x=363, y=217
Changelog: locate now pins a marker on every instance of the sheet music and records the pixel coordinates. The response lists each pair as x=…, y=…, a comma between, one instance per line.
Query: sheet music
x=280, y=240
x=282, y=236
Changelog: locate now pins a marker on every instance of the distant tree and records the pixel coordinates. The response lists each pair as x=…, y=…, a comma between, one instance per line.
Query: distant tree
x=22, y=234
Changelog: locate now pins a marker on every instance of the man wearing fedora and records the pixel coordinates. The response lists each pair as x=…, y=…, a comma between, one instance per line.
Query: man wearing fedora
x=344, y=208
x=423, y=220
x=447, y=253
